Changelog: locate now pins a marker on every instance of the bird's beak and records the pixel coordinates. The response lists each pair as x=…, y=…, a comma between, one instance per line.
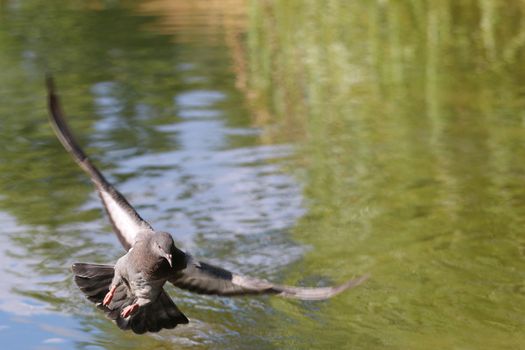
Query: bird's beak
x=168, y=257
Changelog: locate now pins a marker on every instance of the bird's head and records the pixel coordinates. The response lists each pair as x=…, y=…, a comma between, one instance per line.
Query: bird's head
x=163, y=245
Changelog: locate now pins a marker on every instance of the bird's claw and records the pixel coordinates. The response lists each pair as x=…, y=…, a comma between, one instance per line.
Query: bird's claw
x=129, y=310
x=109, y=296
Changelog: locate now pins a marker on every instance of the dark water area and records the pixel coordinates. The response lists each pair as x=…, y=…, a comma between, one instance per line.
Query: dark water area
x=296, y=142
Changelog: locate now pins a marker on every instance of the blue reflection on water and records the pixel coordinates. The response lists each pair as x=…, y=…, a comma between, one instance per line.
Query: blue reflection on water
x=38, y=331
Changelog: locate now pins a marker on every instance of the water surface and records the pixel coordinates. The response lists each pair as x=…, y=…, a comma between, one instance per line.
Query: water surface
x=303, y=142
x=161, y=116
x=411, y=126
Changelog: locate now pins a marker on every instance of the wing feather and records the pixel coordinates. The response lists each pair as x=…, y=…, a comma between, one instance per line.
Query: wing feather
x=204, y=278
x=126, y=222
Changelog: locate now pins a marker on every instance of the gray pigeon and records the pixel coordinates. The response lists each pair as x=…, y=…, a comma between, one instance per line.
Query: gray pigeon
x=131, y=293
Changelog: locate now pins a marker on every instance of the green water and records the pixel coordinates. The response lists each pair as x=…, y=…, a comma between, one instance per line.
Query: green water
x=410, y=116
x=382, y=137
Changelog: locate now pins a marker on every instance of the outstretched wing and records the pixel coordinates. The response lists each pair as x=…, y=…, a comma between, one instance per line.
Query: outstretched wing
x=125, y=220
x=204, y=278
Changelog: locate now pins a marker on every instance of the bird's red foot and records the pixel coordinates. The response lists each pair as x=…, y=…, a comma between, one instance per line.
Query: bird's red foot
x=109, y=296
x=129, y=310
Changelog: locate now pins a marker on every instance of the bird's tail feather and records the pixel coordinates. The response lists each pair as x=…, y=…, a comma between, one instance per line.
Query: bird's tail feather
x=152, y=317
x=94, y=281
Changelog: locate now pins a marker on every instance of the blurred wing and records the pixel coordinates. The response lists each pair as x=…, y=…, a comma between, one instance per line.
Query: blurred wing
x=124, y=219
x=204, y=278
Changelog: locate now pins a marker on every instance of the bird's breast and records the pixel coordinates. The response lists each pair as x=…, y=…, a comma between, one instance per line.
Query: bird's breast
x=148, y=289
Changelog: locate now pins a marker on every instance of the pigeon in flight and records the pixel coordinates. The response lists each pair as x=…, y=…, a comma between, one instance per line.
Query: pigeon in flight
x=131, y=292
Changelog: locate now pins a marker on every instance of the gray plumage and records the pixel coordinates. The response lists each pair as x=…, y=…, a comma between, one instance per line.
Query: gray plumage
x=131, y=292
